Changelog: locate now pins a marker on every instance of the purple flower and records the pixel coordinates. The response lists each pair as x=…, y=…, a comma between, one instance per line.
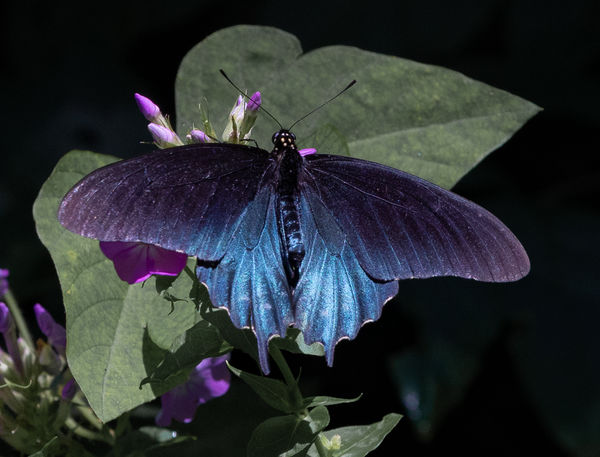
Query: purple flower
x=69, y=390
x=3, y=282
x=147, y=107
x=5, y=318
x=9, y=333
x=198, y=136
x=163, y=136
x=210, y=379
x=136, y=262
x=56, y=334
x=306, y=151
x=254, y=102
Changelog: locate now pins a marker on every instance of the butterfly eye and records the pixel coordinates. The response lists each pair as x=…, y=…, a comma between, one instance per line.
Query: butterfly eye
x=275, y=137
x=293, y=136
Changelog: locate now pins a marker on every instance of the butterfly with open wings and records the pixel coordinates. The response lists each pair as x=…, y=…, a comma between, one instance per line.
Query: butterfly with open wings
x=317, y=242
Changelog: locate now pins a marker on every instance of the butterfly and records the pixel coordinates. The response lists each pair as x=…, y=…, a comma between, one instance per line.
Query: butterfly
x=317, y=242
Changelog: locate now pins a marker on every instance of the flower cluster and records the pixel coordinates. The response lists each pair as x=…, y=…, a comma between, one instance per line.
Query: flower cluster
x=36, y=385
x=39, y=398
x=239, y=125
x=135, y=261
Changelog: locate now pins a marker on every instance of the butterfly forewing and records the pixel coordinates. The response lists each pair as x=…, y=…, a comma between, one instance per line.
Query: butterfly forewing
x=186, y=199
x=400, y=226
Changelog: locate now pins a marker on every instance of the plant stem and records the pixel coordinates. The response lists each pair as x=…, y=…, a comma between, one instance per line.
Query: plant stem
x=283, y=366
x=287, y=373
x=12, y=304
x=79, y=430
x=87, y=413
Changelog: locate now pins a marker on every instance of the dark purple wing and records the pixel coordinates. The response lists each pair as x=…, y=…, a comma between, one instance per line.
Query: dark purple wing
x=187, y=198
x=400, y=226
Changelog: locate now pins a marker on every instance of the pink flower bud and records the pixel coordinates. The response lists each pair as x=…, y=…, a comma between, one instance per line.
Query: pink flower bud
x=162, y=135
x=5, y=318
x=198, y=136
x=254, y=102
x=56, y=334
x=147, y=107
x=3, y=282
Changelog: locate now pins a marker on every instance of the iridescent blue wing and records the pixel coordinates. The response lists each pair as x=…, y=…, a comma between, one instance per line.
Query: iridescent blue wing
x=400, y=226
x=334, y=296
x=187, y=198
x=250, y=281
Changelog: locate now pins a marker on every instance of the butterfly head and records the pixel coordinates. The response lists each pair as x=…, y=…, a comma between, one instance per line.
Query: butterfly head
x=284, y=139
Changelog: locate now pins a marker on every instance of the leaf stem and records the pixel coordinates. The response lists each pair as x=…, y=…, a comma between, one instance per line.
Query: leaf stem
x=12, y=304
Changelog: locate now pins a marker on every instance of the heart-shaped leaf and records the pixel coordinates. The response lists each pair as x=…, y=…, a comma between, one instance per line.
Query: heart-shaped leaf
x=426, y=120
x=107, y=319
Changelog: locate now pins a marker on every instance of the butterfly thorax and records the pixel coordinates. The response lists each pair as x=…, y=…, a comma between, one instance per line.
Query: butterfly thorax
x=290, y=163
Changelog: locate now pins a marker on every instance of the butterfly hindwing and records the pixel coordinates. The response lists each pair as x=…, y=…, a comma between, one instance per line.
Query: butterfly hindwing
x=334, y=296
x=400, y=226
x=250, y=280
x=186, y=199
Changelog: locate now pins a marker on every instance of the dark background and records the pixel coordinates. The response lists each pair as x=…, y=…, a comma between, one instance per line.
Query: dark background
x=500, y=369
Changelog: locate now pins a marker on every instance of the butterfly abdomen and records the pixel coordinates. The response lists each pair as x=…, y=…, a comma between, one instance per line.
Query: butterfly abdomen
x=287, y=210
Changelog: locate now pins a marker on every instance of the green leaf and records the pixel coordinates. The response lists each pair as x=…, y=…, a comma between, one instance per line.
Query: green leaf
x=328, y=401
x=49, y=449
x=273, y=391
x=294, y=342
x=287, y=435
x=188, y=350
x=145, y=440
x=426, y=120
x=243, y=339
x=358, y=441
x=62, y=446
x=328, y=138
x=108, y=321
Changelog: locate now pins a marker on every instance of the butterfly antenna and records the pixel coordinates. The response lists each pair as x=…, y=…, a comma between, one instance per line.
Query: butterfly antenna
x=352, y=83
x=245, y=95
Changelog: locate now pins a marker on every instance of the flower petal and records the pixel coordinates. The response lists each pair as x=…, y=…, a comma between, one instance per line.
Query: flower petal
x=136, y=262
x=210, y=379
x=306, y=151
x=69, y=390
